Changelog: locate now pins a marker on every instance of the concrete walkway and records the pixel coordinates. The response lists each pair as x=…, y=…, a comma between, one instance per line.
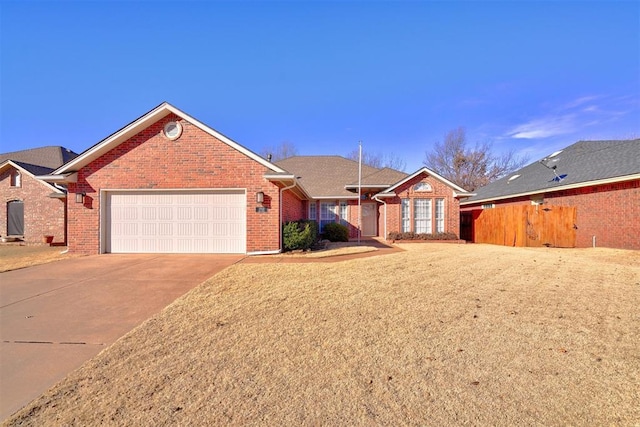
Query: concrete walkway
x=54, y=317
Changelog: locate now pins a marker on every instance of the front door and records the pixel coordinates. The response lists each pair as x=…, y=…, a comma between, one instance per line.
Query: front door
x=15, y=218
x=369, y=219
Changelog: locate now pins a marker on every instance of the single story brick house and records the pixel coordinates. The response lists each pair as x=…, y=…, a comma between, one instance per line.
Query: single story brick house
x=33, y=208
x=168, y=183
x=600, y=180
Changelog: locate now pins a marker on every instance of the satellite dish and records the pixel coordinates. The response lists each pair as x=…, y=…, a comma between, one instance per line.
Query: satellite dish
x=548, y=161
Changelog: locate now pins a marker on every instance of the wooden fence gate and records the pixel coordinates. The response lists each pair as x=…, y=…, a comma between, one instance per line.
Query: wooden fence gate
x=529, y=226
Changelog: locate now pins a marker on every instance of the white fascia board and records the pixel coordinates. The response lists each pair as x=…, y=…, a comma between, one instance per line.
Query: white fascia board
x=288, y=178
x=463, y=194
x=385, y=195
x=279, y=177
x=114, y=139
x=554, y=189
x=224, y=139
x=143, y=122
x=67, y=177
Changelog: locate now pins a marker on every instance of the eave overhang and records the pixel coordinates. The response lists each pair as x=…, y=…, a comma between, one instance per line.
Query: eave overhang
x=287, y=180
x=59, y=178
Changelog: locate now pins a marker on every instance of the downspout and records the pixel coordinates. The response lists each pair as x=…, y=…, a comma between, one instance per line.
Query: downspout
x=385, y=215
x=282, y=190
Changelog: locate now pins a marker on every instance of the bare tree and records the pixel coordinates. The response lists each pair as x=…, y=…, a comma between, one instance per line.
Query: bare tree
x=279, y=152
x=378, y=160
x=470, y=168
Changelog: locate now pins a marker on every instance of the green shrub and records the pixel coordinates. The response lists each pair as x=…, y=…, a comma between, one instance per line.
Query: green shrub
x=335, y=232
x=299, y=234
x=394, y=235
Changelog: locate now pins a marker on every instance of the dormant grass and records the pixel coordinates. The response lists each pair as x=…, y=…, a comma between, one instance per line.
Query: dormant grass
x=439, y=334
x=13, y=257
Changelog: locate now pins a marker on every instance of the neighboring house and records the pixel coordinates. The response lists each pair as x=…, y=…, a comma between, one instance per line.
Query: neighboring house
x=597, y=181
x=169, y=183
x=33, y=208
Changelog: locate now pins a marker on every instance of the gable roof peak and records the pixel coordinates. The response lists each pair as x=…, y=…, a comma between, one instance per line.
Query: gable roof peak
x=146, y=120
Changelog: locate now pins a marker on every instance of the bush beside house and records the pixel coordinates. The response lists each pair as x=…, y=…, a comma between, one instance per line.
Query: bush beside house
x=298, y=235
x=335, y=232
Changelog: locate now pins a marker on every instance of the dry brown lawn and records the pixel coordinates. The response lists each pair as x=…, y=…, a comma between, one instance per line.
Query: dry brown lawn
x=438, y=335
x=14, y=256
x=332, y=250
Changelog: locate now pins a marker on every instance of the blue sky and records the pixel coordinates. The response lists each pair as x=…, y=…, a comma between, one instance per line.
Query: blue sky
x=528, y=76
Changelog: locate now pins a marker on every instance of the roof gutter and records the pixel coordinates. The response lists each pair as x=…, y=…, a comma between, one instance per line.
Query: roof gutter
x=54, y=178
x=284, y=179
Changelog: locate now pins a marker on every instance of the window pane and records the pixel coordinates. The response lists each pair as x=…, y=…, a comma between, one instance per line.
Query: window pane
x=422, y=215
x=327, y=213
x=406, y=223
x=312, y=211
x=344, y=213
x=439, y=215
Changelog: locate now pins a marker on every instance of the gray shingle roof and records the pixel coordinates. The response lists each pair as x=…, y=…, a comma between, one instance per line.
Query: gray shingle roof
x=51, y=157
x=384, y=176
x=326, y=176
x=582, y=162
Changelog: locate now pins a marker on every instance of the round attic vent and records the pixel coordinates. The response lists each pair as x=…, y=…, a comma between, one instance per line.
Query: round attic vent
x=173, y=130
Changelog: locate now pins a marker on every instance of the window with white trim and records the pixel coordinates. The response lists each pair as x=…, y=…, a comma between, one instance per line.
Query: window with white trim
x=327, y=213
x=439, y=215
x=344, y=213
x=16, y=179
x=422, y=186
x=422, y=216
x=313, y=210
x=406, y=219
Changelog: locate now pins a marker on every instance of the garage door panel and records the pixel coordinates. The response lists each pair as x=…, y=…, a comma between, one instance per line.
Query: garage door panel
x=175, y=222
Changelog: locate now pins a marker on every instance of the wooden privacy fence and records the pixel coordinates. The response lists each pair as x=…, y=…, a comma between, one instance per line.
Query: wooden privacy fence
x=527, y=226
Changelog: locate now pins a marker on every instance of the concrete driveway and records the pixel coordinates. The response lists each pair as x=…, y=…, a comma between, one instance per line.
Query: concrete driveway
x=54, y=317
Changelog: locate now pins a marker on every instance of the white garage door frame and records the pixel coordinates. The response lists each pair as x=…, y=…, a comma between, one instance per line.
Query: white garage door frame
x=105, y=208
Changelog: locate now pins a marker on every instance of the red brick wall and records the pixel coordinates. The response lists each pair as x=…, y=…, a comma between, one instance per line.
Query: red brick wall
x=610, y=212
x=42, y=215
x=439, y=191
x=149, y=160
x=293, y=208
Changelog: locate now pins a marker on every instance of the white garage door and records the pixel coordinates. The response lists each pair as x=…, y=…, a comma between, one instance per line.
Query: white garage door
x=175, y=222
